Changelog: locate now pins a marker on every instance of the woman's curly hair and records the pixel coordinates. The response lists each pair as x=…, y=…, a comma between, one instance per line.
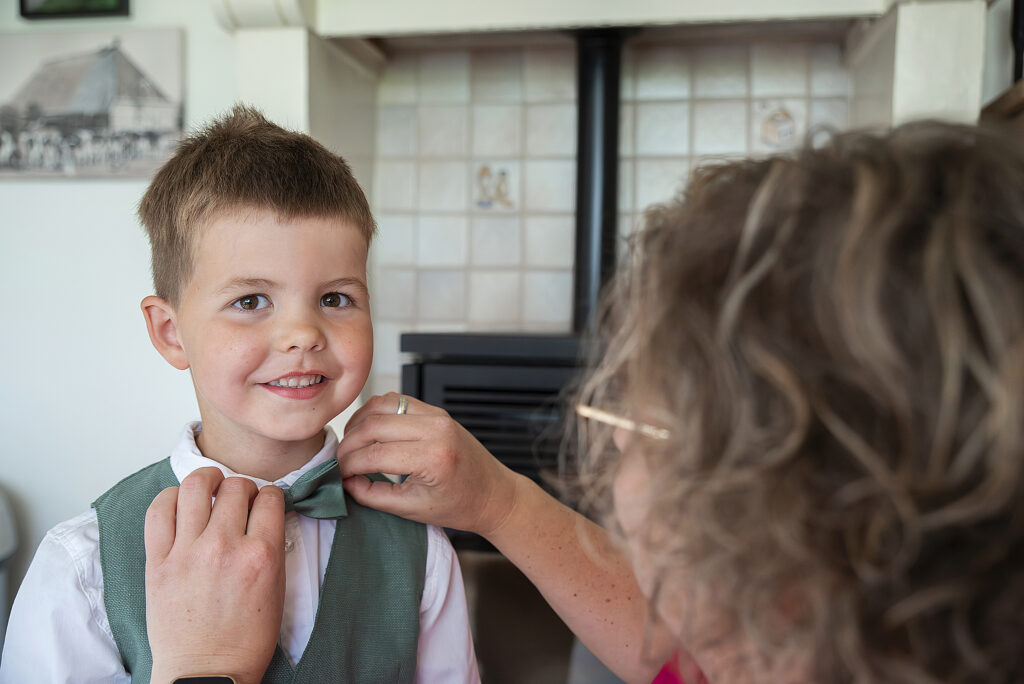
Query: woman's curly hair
x=835, y=339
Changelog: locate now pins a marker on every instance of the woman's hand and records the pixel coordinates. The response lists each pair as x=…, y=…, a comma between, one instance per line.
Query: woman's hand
x=453, y=481
x=214, y=577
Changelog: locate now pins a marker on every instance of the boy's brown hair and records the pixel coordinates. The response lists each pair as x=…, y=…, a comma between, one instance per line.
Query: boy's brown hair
x=835, y=340
x=241, y=162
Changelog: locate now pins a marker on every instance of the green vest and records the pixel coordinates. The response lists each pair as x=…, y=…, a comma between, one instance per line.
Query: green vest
x=366, y=628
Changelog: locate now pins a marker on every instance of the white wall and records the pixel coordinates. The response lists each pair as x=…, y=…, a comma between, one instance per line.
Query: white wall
x=86, y=399
x=872, y=64
x=940, y=50
x=998, y=51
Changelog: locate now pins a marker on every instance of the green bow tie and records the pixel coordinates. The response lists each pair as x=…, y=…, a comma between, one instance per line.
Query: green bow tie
x=318, y=493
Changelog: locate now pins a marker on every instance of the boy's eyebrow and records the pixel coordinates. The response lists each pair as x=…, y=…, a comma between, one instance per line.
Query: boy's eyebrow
x=346, y=282
x=264, y=284
x=247, y=284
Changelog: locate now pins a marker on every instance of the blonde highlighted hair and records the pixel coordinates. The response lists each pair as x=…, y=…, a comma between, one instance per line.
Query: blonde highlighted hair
x=835, y=339
x=242, y=162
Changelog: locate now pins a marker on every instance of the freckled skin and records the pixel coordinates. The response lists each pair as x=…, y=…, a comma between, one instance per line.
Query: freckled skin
x=293, y=267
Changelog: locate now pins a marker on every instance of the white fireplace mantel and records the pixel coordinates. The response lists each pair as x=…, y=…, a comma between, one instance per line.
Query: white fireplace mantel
x=360, y=18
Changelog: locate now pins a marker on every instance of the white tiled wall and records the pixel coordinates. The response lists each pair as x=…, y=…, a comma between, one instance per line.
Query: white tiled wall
x=475, y=175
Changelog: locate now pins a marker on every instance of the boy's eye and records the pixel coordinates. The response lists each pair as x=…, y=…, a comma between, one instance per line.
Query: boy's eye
x=335, y=300
x=251, y=302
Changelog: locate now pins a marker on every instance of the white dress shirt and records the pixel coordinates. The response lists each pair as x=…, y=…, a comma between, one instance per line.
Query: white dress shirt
x=58, y=629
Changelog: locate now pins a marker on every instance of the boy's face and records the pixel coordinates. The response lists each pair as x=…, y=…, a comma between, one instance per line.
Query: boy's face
x=275, y=324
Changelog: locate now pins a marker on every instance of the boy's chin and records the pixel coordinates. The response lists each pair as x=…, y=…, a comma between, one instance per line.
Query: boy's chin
x=288, y=431
x=294, y=434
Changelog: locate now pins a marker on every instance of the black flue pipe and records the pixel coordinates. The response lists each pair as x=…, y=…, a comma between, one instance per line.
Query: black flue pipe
x=1017, y=38
x=599, y=56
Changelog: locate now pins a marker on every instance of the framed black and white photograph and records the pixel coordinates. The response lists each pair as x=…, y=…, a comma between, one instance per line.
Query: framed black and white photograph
x=63, y=9
x=95, y=104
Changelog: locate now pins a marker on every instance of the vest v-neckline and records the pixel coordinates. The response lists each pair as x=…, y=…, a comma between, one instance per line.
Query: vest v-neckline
x=330, y=576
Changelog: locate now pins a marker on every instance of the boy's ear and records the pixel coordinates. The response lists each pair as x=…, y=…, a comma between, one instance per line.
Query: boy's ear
x=161, y=322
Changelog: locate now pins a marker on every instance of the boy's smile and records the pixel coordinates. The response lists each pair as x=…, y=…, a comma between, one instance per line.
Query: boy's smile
x=274, y=324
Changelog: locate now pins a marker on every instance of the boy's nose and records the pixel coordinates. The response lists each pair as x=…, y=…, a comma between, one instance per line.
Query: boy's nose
x=299, y=334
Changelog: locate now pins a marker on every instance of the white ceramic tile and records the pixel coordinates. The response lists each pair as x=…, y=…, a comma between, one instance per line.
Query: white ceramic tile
x=627, y=77
x=549, y=74
x=444, y=77
x=497, y=130
x=720, y=71
x=658, y=180
x=828, y=117
x=435, y=327
x=496, y=326
x=829, y=76
x=443, y=131
x=442, y=241
x=396, y=131
x=550, y=241
x=497, y=76
x=385, y=382
x=397, y=84
x=442, y=295
x=496, y=186
x=627, y=225
x=777, y=125
x=495, y=241
x=546, y=328
x=547, y=296
x=387, y=360
x=394, y=185
x=625, y=199
x=442, y=186
x=551, y=130
x=830, y=112
x=662, y=73
x=720, y=127
x=395, y=244
x=627, y=114
x=394, y=293
x=662, y=129
x=778, y=69
x=550, y=185
x=494, y=296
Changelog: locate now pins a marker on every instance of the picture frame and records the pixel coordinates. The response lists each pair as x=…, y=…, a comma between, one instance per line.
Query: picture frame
x=90, y=104
x=66, y=9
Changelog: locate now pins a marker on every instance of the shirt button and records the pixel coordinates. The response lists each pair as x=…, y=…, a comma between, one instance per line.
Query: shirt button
x=289, y=544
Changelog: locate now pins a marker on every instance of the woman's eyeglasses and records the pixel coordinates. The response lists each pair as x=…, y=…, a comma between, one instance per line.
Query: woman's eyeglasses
x=621, y=422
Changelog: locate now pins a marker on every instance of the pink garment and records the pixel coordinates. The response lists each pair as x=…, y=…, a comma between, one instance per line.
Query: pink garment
x=670, y=674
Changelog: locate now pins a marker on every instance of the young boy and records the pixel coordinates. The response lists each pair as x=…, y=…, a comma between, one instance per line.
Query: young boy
x=259, y=242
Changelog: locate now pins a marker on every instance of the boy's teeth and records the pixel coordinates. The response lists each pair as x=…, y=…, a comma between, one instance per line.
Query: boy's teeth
x=297, y=381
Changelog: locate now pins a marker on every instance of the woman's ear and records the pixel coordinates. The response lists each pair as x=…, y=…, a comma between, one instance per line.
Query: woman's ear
x=161, y=322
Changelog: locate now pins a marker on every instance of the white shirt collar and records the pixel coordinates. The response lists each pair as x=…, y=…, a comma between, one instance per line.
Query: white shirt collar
x=186, y=457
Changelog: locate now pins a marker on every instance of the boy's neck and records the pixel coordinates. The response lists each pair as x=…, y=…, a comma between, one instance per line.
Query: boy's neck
x=248, y=454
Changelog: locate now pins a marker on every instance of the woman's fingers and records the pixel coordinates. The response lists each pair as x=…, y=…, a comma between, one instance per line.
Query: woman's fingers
x=195, y=501
x=266, y=519
x=453, y=480
x=388, y=404
x=231, y=509
x=160, y=524
x=218, y=587
x=379, y=456
x=384, y=496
